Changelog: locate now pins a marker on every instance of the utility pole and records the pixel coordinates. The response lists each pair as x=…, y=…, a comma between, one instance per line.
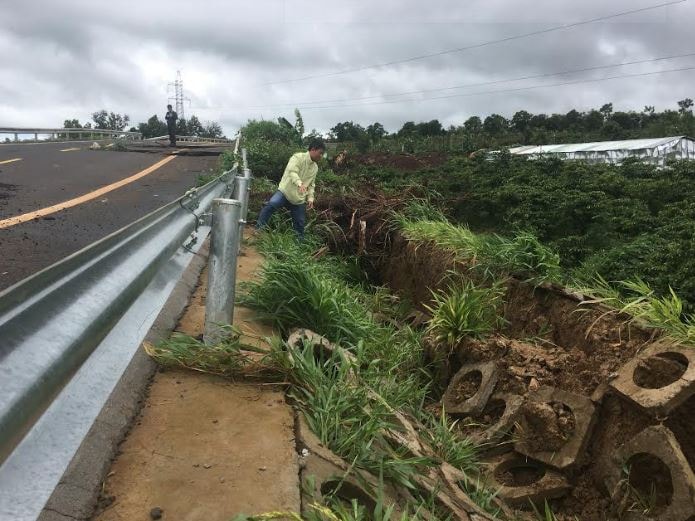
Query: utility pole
x=179, y=98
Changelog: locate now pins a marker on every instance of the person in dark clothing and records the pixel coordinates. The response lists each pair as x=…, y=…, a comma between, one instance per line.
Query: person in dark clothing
x=171, y=118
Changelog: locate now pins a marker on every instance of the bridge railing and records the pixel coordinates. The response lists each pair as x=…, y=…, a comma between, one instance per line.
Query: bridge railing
x=58, y=134
x=193, y=139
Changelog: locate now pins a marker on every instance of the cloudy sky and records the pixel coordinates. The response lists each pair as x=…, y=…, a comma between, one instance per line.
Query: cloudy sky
x=67, y=58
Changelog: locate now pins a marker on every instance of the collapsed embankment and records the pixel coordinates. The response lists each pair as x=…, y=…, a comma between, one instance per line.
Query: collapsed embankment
x=573, y=401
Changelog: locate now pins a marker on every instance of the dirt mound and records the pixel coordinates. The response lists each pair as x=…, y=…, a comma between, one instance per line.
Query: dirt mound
x=402, y=162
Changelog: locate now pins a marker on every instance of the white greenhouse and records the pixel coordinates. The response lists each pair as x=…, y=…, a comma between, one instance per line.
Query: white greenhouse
x=656, y=151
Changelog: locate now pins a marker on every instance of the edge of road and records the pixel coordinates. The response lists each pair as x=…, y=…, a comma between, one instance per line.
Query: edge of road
x=77, y=493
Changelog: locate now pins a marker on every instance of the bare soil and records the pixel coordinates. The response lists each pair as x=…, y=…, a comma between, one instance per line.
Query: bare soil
x=402, y=162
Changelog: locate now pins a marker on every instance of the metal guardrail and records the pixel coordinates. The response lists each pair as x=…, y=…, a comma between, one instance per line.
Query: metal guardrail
x=193, y=139
x=79, y=132
x=63, y=332
x=228, y=221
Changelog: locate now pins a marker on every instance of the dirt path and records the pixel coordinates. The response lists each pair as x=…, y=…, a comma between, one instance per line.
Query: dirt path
x=204, y=447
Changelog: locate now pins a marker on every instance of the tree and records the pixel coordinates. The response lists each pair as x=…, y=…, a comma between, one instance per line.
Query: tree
x=606, y=110
x=153, y=128
x=473, y=125
x=110, y=120
x=195, y=127
x=521, y=120
x=573, y=118
x=495, y=124
x=348, y=131
x=593, y=121
x=298, y=123
x=72, y=123
x=376, y=131
x=408, y=129
x=685, y=105
x=612, y=130
x=212, y=130
x=182, y=127
x=430, y=128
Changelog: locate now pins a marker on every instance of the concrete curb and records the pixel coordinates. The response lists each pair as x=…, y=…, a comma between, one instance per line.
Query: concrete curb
x=77, y=493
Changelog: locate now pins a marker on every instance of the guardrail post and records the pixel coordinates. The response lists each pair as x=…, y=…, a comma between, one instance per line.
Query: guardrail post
x=242, y=188
x=244, y=162
x=222, y=264
x=16, y=137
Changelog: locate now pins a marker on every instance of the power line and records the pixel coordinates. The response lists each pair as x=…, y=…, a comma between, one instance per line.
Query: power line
x=477, y=45
x=480, y=84
x=500, y=91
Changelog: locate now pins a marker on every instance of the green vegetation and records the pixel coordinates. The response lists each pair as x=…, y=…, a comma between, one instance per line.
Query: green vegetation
x=464, y=311
x=489, y=254
x=324, y=295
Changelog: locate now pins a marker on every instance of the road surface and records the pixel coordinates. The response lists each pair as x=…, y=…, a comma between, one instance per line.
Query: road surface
x=57, y=198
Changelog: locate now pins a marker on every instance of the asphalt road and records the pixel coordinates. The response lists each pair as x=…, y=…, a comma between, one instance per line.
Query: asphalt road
x=50, y=174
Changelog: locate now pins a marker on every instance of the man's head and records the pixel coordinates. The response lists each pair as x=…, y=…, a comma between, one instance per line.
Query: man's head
x=168, y=107
x=316, y=149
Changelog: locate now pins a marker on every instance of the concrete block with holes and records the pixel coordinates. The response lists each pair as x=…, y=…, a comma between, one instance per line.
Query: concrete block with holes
x=659, y=379
x=535, y=438
x=470, y=389
x=521, y=481
x=493, y=440
x=652, y=465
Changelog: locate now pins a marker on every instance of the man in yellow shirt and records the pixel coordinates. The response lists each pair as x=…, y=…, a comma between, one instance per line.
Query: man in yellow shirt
x=296, y=189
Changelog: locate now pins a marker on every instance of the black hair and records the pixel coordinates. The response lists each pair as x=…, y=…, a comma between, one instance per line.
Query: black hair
x=317, y=143
x=168, y=106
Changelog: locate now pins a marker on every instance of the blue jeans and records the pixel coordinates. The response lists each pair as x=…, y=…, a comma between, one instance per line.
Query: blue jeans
x=297, y=211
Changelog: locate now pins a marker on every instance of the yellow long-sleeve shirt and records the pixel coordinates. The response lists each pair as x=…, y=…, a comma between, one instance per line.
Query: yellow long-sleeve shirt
x=300, y=171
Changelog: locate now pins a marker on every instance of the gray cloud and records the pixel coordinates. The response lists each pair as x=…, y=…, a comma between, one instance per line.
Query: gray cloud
x=67, y=59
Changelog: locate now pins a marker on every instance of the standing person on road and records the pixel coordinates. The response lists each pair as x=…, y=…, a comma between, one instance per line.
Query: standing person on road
x=171, y=118
x=296, y=189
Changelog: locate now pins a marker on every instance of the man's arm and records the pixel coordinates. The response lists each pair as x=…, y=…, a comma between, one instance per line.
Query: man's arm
x=292, y=171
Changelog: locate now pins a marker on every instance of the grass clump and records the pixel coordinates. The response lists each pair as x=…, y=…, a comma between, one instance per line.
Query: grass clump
x=291, y=291
x=465, y=311
x=227, y=358
x=638, y=299
x=489, y=254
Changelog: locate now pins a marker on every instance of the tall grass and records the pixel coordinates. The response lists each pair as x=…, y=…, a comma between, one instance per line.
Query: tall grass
x=637, y=299
x=293, y=291
x=464, y=311
x=490, y=255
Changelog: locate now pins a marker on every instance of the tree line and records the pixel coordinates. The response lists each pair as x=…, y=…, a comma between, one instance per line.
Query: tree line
x=525, y=128
x=154, y=127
